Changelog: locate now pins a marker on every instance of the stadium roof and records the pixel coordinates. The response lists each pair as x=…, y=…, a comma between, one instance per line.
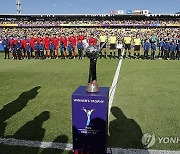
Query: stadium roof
x=100, y=15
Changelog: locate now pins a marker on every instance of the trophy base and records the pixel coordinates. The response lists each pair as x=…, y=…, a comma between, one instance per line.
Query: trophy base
x=92, y=87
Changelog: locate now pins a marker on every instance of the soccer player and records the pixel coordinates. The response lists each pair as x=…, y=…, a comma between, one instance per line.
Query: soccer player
x=39, y=38
x=41, y=49
x=178, y=50
x=119, y=47
x=63, y=45
x=46, y=44
x=127, y=45
x=12, y=46
x=103, y=39
x=18, y=48
x=52, y=49
x=80, y=37
x=72, y=39
x=112, y=41
x=173, y=47
x=55, y=41
x=36, y=49
x=24, y=43
x=28, y=50
x=166, y=47
x=6, y=45
x=80, y=49
x=153, y=41
x=70, y=49
x=32, y=42
x=146, y=47
x=92, y=40
x=137, y=46
x=161, y=52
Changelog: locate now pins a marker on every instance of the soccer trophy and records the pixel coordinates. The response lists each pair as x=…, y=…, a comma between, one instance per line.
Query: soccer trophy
x=92, y=53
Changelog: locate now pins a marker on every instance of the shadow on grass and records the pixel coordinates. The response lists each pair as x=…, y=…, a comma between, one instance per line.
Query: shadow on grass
x=124, y=132
x=16, y=106
x=60, y=139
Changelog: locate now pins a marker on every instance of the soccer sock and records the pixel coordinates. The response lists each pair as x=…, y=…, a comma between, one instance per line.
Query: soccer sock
x=134, y=54
x=138, y=55
x=114, y=53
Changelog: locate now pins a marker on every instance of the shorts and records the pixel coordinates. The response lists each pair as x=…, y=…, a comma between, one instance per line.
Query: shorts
x=127, y=47
x=137, y=48
x=103, y=46
x=112, y=46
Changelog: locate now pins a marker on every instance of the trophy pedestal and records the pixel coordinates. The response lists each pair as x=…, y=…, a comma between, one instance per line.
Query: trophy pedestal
x=90, y=120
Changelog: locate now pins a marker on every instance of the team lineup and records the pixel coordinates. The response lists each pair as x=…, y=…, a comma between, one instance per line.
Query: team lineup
x=54, y=46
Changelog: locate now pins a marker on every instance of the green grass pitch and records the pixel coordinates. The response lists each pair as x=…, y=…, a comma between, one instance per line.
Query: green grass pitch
x=35, y=100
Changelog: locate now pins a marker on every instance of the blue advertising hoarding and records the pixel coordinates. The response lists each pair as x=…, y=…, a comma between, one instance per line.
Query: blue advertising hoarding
x=90, y=120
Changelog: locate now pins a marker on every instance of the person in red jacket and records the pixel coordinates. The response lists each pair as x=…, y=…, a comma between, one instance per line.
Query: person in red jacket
x=63, y=45
x=24, y=44
x=72, y=40
x=55, y=41
x=92, y=40
x=32, y=42
x=39, y=38
x=46, y=44
x=80, y=37
x=12, y=45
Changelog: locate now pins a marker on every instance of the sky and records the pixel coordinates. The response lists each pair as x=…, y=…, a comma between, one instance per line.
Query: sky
x=89, y=6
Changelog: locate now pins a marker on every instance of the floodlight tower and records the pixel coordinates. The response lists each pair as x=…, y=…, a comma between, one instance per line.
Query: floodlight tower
x=18, y=6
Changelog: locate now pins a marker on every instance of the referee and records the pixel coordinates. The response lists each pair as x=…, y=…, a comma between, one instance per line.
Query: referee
x=137, y=44
x=112, y=41
x=103, y=39
x=127, y=42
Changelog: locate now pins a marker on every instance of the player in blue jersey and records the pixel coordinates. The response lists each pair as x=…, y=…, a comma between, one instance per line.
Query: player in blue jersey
x=146, y=47
x=6, y=45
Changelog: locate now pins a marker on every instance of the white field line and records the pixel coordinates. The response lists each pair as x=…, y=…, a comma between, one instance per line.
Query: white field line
x=68, y=147
x=114, y=84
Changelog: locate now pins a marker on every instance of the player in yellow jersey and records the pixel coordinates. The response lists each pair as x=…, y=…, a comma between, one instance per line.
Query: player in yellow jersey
x=127, y=45
x=137, y=46
x=103, y=39
x=112, y=41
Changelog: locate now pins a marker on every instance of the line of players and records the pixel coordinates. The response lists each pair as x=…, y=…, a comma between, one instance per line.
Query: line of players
x=41, y=48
